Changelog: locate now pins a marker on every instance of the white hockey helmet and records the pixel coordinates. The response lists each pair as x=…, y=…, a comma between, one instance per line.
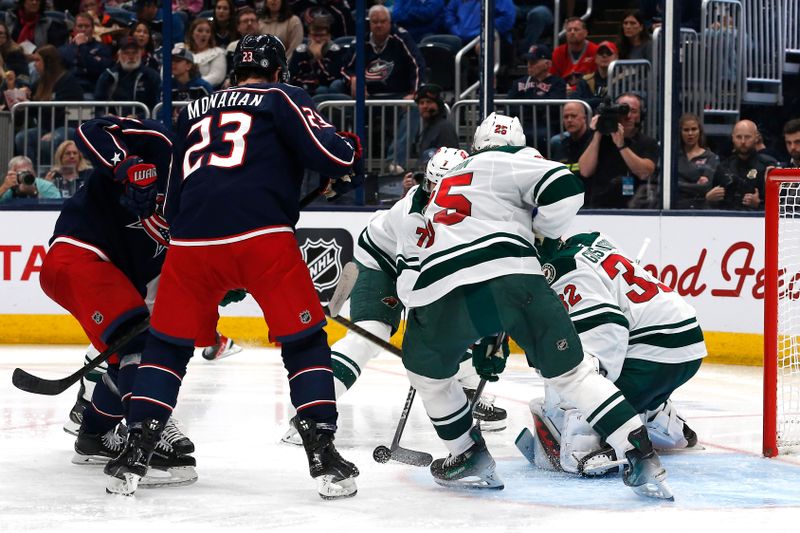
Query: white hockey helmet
x=498, y=130
x=442, y=161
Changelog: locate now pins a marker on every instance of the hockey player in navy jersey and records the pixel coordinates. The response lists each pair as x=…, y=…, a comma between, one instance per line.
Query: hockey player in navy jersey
x=105, y=256
x=245, y=148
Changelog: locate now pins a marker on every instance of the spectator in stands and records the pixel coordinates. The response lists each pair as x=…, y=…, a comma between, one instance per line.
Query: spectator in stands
x=463, y=18
x=419, y=17
x=574, y=58
x=634, y=39
x=738, y=183
x=12, y=54
x=316, y=65
x=70, y=170
x=339, y=12
x=55, y=84
x=696, y=164
x=593, y=88
x=186, y=80
x=128, y=79
x=21, y=182
x=246, y=24
x=28, y=24
x=576, y=137
x=209, y=58
x=436, y=130
x=538, y=16
x=616, y=165
x=279, y=21
x=224, y=22
x=144, y=38
x=653, y=12
x=85, y=56
x=791, y=136
x=12, y=91
x=148, y=11
x=190, y=7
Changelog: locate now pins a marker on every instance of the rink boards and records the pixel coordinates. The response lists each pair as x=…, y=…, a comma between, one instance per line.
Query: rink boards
x=715, y=262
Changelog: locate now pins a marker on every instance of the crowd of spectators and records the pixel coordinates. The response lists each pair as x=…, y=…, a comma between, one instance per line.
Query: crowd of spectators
x=110, y=50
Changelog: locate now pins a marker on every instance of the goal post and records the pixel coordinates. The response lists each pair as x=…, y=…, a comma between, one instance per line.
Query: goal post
x=781, y=429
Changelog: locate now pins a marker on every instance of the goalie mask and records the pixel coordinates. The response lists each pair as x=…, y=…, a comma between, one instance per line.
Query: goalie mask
x=262, y=53
x=440, y=164
x=498, y=130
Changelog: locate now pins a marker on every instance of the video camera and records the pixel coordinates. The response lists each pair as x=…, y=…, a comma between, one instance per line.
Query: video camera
x=610, y=115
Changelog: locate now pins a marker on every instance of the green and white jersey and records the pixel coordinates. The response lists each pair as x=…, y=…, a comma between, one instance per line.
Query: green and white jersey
x=389, y=242
x=618, y=308
x=478, y=222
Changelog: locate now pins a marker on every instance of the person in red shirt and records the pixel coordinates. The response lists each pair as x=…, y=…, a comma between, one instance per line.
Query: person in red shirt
x=575, y=58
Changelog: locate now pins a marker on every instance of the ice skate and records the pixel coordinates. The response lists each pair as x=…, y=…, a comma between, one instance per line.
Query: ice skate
x=75, y=418
x=173, y=435
x=335, y=476
x=292, y=437
x=224, y=348
x=98, y=448
x=127, y=469
x=472, y=469
x=491, y=417
x=644, y=473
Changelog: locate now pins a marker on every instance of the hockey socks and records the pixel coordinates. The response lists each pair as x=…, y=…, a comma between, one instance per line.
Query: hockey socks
x=105, y=410
x=308, y=366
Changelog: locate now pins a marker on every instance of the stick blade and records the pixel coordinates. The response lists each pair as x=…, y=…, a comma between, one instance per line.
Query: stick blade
x=36, y=385
x=411, y=457
x=346, y=282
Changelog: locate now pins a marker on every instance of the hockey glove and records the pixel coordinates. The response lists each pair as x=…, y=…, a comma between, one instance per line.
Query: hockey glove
x=139, y=181
x=358, y=171
x=488, y=361
x=233, y=296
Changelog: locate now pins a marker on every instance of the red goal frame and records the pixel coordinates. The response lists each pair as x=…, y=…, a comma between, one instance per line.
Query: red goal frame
x=773, y=181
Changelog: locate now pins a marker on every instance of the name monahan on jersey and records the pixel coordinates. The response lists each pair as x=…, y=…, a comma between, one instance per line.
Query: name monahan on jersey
x=389, y=242
x=478, y=222
x=618, y=308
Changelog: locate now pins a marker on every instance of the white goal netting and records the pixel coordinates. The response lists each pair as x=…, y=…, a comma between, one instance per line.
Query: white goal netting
x=788, y=319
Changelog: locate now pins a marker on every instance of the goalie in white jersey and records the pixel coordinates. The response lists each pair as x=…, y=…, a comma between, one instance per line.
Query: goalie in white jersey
x=645, y=337
x=479, y=275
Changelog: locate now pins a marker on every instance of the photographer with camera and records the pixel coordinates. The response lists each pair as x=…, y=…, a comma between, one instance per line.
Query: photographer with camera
x=21, y=183
x=619, y=158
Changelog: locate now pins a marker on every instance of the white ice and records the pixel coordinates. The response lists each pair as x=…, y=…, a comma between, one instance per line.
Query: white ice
x=235, y=410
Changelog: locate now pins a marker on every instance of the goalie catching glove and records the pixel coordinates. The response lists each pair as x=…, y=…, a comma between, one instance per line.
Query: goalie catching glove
x=139, y=181
x=332, y=188
x=489, y=362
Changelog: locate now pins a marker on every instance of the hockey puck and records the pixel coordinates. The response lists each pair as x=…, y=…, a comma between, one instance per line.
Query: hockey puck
x=382, y=454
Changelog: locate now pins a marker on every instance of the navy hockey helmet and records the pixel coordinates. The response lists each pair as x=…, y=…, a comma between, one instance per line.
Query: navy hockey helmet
x=261, y=52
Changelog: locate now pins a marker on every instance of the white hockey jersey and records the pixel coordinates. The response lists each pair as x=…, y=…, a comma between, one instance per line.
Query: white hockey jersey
x=478, y=221
x=619, y=310
x=389, y=242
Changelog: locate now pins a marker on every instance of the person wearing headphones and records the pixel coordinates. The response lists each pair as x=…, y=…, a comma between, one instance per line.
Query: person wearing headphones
x=615, y=165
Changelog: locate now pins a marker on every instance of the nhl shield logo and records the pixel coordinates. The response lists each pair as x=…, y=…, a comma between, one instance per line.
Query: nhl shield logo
x=305, y=316
x=324, y=260
x=97, y=317
x=549, y=272
x=562, y=345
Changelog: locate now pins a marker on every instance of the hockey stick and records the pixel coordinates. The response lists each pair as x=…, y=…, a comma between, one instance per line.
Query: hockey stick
x=343, y=289
x=642, y=250
x=382, y=454
x=51, y=387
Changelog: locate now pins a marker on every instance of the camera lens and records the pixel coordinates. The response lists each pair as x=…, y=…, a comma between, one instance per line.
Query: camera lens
x=26, y=177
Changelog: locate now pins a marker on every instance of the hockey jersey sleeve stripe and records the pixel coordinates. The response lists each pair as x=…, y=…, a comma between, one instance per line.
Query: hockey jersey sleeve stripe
x=585, y=324
x=674, y=325
x=477, y=243
x=559, y=187
x=500, y=250
x=671, y=340
x=384, y=262
x=598, y=307
x=547, y=176
x=80, y=244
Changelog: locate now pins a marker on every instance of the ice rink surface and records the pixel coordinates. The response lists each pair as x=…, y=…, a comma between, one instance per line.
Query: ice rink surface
x=235, y=410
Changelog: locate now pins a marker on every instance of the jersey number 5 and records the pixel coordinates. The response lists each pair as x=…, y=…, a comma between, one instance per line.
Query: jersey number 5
x=237, y=139
x=456, y=206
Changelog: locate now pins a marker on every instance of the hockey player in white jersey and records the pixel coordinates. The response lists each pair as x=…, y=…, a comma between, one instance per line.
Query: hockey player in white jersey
x=386, y=258
x=644, y=336
x=479, y=275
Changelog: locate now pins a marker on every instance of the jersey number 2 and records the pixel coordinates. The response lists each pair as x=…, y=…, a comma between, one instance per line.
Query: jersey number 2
x=615, y=264
x=237, y=139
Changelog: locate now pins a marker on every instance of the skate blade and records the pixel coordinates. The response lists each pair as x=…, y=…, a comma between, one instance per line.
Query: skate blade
x=656, y=488
x=292, y=437
x=494, y=425
x=71, y=428
x=177, y=476
x=334, y=490
x=490, y=482
x=124, y=486
x=90, y=460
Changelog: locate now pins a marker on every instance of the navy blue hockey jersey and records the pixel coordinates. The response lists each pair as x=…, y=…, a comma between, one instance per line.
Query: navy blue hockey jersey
x=94, y=219
x=239, y=161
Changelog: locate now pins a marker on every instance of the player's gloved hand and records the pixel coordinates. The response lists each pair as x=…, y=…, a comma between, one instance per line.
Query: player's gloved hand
x=489, y=362
x=358, y=172
x=139, y=181
x=233, y=296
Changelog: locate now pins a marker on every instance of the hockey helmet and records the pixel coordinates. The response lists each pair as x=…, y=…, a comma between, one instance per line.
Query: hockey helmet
x=498, y=130
x=440, y=164
x=261, y=52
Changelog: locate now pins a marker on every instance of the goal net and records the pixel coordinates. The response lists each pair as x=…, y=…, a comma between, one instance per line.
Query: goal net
x=782, y=313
